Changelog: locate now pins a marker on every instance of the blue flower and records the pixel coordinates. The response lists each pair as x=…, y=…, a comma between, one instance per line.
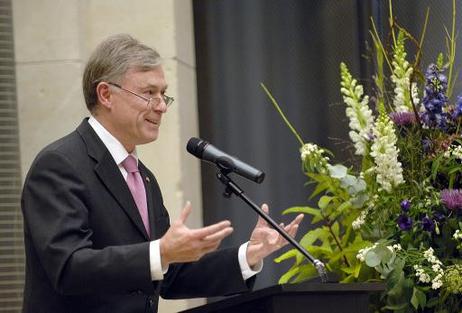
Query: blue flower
x=426, y=145
x=428, y=224
x=458, y=109
x=438, y=216
x=435, y=98
x=404, y=222
x=405, y=205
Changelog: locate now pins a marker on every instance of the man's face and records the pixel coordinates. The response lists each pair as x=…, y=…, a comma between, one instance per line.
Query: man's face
x=134, y=122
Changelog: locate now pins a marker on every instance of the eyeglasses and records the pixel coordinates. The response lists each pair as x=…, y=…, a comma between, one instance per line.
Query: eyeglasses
x=154, y=102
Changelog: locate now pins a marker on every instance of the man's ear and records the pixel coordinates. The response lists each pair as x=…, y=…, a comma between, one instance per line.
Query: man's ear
x=103, y=92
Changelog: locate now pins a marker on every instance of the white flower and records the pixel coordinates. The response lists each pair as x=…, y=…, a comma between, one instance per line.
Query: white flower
x=385, y=153
x=457, y=235
x=401, y=77
x=454, y=151
x=360, y=220
x=313, y=158
x=437, y=282
x=358, y=111
x=362, y=252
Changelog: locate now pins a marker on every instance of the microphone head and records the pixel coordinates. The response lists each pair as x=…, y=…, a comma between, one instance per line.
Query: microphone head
x=196, y=146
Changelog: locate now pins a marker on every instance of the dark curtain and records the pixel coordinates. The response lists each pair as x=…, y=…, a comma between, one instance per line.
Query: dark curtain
x=294, y=47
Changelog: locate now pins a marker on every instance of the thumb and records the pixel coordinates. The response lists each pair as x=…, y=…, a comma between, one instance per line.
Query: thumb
x=185, y=212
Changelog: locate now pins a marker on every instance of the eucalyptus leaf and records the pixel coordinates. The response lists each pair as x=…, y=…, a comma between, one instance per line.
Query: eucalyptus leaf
x=372, y=259
x=359, y=200
x=337, y=171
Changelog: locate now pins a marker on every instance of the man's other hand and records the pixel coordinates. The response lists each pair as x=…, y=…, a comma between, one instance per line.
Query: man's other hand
x=182, y=244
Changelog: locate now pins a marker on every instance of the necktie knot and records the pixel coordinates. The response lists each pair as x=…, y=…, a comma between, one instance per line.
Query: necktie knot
x=130, y=164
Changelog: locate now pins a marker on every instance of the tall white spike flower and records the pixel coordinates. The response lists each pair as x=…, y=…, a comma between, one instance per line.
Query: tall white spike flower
x=358, y=111
x=401, y=77
x=385, y=153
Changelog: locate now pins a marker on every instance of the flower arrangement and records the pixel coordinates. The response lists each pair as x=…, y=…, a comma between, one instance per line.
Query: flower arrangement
x=397, y=215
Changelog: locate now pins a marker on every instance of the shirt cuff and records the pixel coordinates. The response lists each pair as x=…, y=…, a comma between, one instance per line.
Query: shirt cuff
x=157, y=272
x=246, y=270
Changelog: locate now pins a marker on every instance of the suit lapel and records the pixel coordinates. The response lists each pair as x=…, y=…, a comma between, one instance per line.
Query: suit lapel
x=109, y=173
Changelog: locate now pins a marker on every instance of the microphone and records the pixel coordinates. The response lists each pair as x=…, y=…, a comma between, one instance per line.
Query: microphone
x=205, y=151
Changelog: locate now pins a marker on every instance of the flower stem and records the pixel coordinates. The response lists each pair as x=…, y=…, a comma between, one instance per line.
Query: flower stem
x=278, y=108
x=452, y=49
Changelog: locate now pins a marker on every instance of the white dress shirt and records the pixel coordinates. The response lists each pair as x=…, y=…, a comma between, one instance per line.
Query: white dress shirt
x=119, y=153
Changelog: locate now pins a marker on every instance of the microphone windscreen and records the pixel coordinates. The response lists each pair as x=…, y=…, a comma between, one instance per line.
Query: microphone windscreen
x=196, y=146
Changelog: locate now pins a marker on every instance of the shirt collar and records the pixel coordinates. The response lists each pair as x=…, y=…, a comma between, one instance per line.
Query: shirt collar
x=116, y=149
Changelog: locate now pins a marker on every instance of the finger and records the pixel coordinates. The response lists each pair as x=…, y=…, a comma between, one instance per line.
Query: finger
x=297, y=220
x=203, y=232
x=261, y=221
x=218, y=236
x=185, y=212
x=293, y=231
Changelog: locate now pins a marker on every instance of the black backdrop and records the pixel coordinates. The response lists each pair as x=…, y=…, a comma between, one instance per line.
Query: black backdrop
x=294, y=47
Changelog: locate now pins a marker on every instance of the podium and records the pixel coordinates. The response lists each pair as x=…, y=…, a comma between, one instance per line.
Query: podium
x=297, y=298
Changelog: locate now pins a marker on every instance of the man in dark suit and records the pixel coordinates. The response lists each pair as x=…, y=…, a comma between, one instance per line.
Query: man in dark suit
x=97, y=235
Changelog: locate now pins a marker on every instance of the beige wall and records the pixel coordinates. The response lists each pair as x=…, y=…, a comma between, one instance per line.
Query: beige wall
x=53, y=39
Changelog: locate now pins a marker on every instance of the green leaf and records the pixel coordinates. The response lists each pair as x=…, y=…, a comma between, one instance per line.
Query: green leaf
x=287, y=255
x=311, y=236
x=418, y=298
x=316, y=219
x=319, y=188
x=303, y=209
x=307, y=271
x=344, y=206
x=324, y=201
x=289, y=274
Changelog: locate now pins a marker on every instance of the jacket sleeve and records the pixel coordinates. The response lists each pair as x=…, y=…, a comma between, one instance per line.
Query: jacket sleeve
x=56, y=212
x=216, y=274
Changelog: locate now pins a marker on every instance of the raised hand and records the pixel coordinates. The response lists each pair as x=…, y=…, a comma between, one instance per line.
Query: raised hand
x=182, y=244
x=265, y=240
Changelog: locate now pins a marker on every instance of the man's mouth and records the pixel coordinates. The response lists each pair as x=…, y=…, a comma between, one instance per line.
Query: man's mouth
x=154, y=122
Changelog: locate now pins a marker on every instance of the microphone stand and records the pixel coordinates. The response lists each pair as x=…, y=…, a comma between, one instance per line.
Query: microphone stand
x=233, y=188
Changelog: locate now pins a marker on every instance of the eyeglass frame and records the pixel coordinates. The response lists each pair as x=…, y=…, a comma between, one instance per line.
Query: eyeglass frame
x=167, y=99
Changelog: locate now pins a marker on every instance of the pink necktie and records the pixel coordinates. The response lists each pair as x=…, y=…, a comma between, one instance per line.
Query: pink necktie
x=136, y=186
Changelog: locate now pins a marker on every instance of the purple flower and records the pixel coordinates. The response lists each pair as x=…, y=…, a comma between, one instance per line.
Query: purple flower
x=428, y=224
x=405, y=205
x=402, y=118
x=404, y=222
x=452, y=198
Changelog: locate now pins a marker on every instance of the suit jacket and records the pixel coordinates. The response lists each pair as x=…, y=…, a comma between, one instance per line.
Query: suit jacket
x=86, y=247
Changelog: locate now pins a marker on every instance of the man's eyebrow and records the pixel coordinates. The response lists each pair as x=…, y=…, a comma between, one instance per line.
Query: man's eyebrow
x=155, y=87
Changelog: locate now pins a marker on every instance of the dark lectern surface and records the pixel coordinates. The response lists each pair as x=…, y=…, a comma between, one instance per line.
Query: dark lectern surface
x=294, y=298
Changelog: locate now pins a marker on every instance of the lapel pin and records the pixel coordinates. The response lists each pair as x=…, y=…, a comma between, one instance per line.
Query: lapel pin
x=147, y=179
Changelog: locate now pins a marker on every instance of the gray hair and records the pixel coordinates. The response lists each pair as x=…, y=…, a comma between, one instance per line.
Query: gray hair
x=111, y=60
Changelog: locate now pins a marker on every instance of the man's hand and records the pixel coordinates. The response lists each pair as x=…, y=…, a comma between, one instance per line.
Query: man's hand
x=181, y=244
x=265, y=240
